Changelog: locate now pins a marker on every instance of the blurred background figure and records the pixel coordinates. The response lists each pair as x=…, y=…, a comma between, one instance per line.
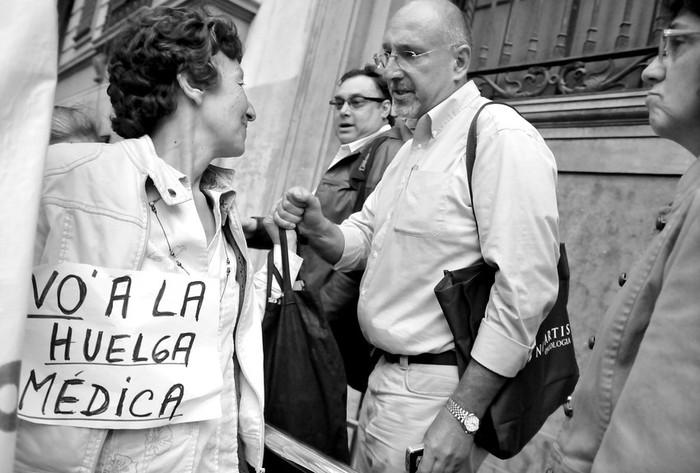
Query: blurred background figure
x=634, y=408
x=72, y=125
x=29, y=39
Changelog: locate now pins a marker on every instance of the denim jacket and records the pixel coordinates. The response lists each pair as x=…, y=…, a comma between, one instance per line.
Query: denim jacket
x=635, y=408
x=94, y=210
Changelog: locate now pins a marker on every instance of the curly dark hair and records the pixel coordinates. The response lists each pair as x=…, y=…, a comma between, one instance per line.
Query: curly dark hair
x=370, y=71
x=155, y=45
x=673, y=7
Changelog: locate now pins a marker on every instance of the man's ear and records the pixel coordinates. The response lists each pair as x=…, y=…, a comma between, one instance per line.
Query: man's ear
x=191, y=92
x=463, y=56
x=386, y=109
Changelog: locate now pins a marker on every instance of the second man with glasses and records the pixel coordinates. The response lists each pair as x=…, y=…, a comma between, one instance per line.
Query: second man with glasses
x=363, y=124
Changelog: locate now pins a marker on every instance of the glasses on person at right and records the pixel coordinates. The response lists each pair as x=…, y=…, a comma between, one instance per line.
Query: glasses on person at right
x=671, y=39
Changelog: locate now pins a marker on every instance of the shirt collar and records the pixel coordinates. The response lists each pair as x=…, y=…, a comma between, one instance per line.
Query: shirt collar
x=217, y=183
x=172, y=185
x=351, y=148
x=432, y=123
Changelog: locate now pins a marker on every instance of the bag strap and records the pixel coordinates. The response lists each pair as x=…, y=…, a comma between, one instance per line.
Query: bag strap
x=366, y=160
x=563, y=263
x=471, y=156
x=286, y=278
x=271, y=271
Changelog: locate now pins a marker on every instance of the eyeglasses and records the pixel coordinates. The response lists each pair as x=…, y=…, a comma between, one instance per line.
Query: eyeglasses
x=668, y=44
x=355, y=102
x=404, y=58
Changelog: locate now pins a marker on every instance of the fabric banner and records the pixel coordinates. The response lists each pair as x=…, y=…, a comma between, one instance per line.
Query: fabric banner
x=110, y=348
x=28, y=34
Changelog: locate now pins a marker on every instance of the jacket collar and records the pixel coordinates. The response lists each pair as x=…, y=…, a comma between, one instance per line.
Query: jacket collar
x=172, y=185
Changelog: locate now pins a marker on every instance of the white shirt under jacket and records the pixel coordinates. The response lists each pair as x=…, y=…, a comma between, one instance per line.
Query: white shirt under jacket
x=350, y=148
x=418, y=222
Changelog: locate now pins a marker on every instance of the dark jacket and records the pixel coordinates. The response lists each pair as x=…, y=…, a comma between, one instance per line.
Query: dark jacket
x=343, y=189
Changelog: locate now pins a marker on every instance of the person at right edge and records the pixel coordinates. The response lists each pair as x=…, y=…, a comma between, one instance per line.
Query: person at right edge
x=635, y=408
x=417, y=223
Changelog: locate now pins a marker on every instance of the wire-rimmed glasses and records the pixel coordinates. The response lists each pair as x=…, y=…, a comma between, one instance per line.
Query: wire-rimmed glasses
x=405, y=57
x=668, y=43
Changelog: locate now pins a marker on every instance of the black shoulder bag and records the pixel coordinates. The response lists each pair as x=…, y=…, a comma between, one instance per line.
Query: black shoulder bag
x=525, y=401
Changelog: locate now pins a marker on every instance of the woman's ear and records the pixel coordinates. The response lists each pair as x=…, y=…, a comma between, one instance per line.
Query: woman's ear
x=191, y=92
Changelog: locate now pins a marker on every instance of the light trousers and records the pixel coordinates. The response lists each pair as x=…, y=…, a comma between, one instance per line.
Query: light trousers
x=401, y=402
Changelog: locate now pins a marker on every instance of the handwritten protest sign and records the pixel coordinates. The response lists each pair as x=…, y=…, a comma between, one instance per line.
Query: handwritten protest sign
x=108, y=348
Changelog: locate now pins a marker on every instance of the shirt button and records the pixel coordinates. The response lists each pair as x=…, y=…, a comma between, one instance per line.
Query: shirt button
x=375, y=254
x=363, y=292
x=622, y=279
x=419, y=146
x=660, y=222
x=568, y=410
x=591, y=342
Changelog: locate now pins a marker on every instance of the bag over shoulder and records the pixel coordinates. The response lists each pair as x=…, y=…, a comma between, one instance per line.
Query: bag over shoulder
x=526, y=401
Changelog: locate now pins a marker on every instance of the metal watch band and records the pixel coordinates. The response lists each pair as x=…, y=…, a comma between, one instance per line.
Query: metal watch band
x=461, y=415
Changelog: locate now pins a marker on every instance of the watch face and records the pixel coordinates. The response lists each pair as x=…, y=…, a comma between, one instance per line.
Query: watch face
x=471, y=423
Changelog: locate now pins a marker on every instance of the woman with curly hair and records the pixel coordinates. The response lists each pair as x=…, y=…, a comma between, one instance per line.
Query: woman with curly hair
x=154, y=204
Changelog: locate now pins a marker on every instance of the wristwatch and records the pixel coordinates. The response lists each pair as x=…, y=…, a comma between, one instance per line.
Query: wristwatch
x=468, y=420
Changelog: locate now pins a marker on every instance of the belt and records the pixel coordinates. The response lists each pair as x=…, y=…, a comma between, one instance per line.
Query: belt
x=444, y=358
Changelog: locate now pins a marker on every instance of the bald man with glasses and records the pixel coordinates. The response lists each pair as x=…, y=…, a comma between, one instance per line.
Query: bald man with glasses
x=417, y=223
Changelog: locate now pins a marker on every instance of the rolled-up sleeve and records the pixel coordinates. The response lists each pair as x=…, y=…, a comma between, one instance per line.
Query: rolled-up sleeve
x=514, y=185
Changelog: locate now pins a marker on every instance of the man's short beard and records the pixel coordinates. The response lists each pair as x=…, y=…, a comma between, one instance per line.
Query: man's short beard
x=406, y=109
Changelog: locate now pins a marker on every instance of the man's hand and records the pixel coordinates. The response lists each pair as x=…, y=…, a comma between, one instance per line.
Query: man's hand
x=447, y=447
x=249, y=226
x=299, y=207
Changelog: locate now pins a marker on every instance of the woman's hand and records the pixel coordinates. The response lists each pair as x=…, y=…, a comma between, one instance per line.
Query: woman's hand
x=273, y=230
